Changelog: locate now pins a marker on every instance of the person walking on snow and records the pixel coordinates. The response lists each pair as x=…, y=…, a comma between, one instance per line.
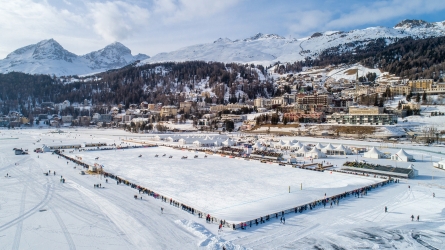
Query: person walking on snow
x=284, y=220
x=281, y=219
x=386, y=209
x=418, y=218
x=162, y=210
x=412, y=217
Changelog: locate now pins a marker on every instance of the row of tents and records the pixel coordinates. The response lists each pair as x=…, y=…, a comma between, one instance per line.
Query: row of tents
x=300, y=148
x=401, y=155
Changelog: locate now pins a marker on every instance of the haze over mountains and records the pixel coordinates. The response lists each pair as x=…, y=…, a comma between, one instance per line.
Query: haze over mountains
x=49, y=57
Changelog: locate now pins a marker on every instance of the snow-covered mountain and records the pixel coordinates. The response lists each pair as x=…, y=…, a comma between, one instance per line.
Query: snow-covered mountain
x=49, y=57
x=269, y=48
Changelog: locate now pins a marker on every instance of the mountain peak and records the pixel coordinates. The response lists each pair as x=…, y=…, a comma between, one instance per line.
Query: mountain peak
x=118, y=47
x=51, y=49
x=222, y=40
x=263, y=36
x=413, y=23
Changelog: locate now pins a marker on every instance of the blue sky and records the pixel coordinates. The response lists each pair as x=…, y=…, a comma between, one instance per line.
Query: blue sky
x=154, y=26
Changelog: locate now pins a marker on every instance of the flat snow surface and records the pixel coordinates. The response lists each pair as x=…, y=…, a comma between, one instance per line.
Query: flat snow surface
x=39, y=212
x=231, y=189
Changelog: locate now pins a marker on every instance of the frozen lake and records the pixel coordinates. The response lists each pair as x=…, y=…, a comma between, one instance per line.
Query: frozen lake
x=227, y=188
x=39, y=212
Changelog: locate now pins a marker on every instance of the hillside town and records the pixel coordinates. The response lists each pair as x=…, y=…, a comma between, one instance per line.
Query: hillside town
x=312, y=98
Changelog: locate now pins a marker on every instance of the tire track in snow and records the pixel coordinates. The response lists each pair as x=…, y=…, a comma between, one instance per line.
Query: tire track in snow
x=307, y=232
x=18, y=232
x=48, y=195
x=138, y=235
x=281, y=232
x=65, y=231
x=161, y=225
x=10, y=165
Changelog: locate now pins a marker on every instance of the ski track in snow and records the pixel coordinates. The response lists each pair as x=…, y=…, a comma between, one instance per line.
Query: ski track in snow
x=65, y=231
x=18, y=232
x=49, y=190
x=137, y=234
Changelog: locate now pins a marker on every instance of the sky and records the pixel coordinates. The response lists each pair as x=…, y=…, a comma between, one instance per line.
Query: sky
x=155, y=26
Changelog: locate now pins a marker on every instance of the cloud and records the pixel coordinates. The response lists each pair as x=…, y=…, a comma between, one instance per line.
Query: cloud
x=173, y=11
x=310, y=21
x=26, y=21
x=118, y=20
x=379, y=11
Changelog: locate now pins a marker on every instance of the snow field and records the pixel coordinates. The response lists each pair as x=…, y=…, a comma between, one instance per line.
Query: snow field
x=77, y=216
x=232, y=189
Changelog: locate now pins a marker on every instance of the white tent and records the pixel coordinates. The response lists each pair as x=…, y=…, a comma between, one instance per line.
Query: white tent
x=373, y=153
x=319, y=146
x=302, y=151
x=297, y=145
x=402, y=156
x=45, y=148
x=217, y=143
x=287, y=145
x=197, y=143
x=440, y=164
x=315, y=153
x=257, y=145
x=279, y=144
x=228, y=142
x=415, y=171
x=328, y=149
x=340, y=149
x=184, y=141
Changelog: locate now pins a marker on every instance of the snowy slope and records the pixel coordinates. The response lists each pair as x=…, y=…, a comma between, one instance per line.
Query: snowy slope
x=49, y=57
x=351, y=72
x=268, y=48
